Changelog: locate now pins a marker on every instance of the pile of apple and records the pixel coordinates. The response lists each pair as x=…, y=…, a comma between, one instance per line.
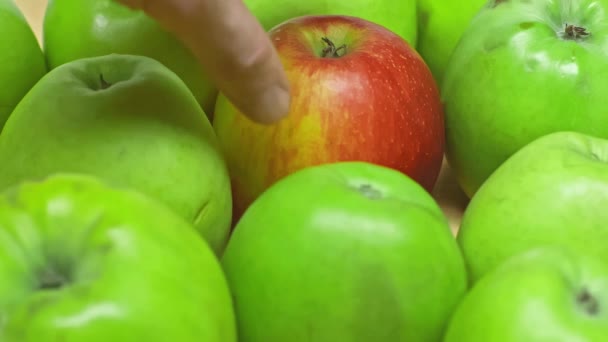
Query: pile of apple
x=138, y=204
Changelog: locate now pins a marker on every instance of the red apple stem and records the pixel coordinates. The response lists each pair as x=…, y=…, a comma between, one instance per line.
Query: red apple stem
x=331, y=49
x=575, y=32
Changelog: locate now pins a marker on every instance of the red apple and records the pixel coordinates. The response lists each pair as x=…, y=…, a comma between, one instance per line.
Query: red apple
x=359, y=93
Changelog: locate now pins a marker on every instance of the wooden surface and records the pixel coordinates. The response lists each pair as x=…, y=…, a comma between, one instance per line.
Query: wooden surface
x=447, y=193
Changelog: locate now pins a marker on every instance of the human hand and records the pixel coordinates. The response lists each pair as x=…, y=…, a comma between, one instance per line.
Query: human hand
x=233, y=49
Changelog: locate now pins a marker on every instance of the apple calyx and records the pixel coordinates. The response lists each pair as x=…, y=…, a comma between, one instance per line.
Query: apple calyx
x=103, y=83
x=331, y=50
x=51, y=280
x=588, y=302
x=574, y=32
x=369, y=191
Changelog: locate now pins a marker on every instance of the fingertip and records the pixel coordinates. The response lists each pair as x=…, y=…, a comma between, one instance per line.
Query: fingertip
x=270, y=106
x=234, y=50
x=278, y=100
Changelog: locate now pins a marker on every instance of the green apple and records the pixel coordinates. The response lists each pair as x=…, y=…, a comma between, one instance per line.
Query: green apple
x=127, y=119
x=440, y=25
x=541, y=295
x=21, y=59
x=553, y=191
x=347, y=251
x=81, y=260
x=397, y=16
x=521, y=70
x=75, y=29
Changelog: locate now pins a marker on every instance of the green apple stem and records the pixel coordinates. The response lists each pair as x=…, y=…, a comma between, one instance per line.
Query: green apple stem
x=369, y=191
x=103, y=82
x=574, y=32
x=588, y=302
x=331, y=50
x=51, y=280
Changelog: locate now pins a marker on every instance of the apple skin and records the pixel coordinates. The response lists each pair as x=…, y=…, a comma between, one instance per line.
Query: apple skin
x=377, y=103
x=90, y=28
x=440, y=25
x=514, y=77
x=145, y=131
x=21, y=59
x=347, y=251
x=551, y=192
x=81, y=260
x=541, y=295
x=397, y=16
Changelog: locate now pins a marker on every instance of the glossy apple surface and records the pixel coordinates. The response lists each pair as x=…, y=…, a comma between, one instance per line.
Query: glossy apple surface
x=544, y=294
x=440, y=25
x=397, y=16
x=524, y=69
x=90, y=28
x=374, y=100
x=344, y=252
x=127, y=119
x=21, y=59
x=84, y=261
x=551, y=192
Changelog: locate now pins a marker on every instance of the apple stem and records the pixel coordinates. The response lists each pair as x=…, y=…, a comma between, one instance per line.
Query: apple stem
x=588, y=302
x=331, y=49
x=369, y=191
x=51, y=280
x=103, y=82
x=574, y=32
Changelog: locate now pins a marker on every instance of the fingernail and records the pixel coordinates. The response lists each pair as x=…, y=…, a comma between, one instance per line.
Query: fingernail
x=272, y=105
